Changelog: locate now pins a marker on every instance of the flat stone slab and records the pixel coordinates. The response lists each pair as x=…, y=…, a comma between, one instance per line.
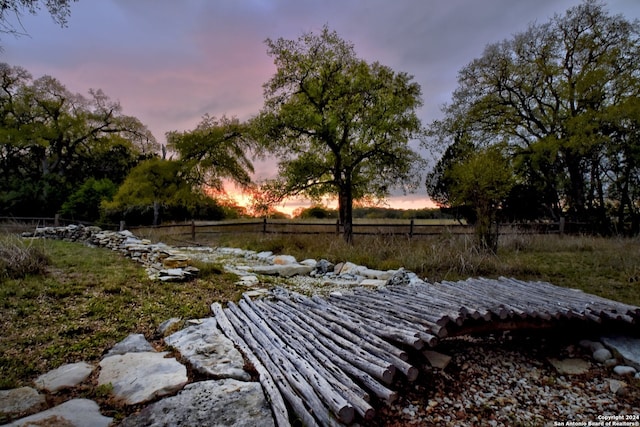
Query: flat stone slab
x=286, y=270
x=208, y=350
x=139, y=377
x=22, y=399
x=437, y=360
x=134, y=343
x=213, y=403
x=65, y=376
x=570, y=366
x=73, y=413
x=627, y=348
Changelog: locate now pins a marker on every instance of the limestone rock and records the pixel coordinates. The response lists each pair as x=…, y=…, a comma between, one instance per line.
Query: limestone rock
x=625, y=371
x=309, y=262
x=627, y=348
x=209, y=351
x=602, y=355
x=134, y=343
x=73, y=413
x=282, y=270
x=372, y=283
x=350, y=268
x=284, y=260
x=212, y=403
x=176, y=261
x=400, y=278
x=570, y=366
x=65, y=376
x=437, y=360
x=168, y=324
x=617, y=387
x=139, y=377
x=19, y=400
x=323, y=267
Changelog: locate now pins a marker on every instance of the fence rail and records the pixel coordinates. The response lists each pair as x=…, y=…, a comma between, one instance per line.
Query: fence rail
x=409, y=228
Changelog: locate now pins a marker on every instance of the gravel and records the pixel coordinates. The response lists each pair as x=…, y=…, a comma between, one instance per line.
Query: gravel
x=507, y=381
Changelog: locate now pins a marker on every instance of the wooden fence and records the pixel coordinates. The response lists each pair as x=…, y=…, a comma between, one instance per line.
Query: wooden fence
x=409, y=228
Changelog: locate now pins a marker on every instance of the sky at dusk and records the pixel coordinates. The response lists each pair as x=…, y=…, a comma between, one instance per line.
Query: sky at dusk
x=169, y=62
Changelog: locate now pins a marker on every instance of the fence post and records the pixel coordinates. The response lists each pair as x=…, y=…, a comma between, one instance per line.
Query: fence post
x=337, y=227
x=122, y=225
x=56, y=220
x=411, y=229
x=264, y=225
x=193, y=230
x=561, y=225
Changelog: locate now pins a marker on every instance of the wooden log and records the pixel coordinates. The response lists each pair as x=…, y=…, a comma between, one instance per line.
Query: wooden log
x=380, y=329
x=335, y=402
x=285, y=386
x=305, y=345
x=355, y=355
x=362, y=376
x=350, y=340
x=344, y=326
x=406, y=328
x=431, y=310
x=278, y=407
x=400, y=309
x=434, y=298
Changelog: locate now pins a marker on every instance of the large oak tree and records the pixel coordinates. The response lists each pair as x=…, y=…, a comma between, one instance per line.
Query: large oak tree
x=340, y=126
x=563, y=96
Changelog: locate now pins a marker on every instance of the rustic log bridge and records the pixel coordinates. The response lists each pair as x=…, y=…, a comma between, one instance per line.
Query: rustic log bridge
x=311, y=384
x=325, y=357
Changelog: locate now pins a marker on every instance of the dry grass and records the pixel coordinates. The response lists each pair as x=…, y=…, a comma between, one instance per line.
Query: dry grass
x=609, y=267
x=19, y=259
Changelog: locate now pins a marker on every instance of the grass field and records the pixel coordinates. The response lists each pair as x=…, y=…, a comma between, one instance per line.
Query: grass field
x=88, y=299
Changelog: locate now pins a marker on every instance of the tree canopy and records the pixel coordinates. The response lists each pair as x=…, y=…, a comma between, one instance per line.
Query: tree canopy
x=340, y=126
x=563, y=97
x=15, y=9
x=52, y=141
x=214, y=151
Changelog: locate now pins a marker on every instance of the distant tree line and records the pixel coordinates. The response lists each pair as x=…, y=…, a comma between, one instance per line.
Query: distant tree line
x=322, y=212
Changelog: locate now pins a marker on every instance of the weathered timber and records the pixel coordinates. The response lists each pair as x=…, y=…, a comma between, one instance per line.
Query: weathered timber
x=243, y=328
x=382, y=330
x=400, y=310
x=369, y=382
x=357, y=397
x=371, y=364
x=334, y=330
x=432, y=311
x=344, y=326
x=372, y=315
x=278, y=407
x=333, y=400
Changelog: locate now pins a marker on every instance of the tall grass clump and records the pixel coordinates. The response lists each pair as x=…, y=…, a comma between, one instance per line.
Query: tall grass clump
x=20, y=258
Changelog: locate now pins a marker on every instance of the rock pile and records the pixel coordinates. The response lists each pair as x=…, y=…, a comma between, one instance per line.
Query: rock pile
x=162, y=262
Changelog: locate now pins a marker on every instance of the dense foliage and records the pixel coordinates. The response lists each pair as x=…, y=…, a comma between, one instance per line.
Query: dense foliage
x=561, y=100
x=340, y=126
x=54, y=142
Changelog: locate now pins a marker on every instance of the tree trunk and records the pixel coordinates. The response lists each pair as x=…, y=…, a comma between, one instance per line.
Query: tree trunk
x=156, y=212
x=345, y=207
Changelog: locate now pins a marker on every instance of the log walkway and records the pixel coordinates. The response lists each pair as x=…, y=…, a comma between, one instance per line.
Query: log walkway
x=328, y=360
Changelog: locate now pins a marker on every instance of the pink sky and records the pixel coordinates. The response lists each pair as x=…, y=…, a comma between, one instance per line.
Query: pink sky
x=168, y=63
